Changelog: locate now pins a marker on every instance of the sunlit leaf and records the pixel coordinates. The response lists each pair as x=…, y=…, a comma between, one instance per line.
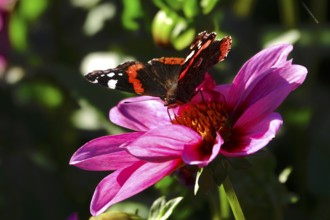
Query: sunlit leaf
x=132, y=11
x=116, y=215
x=182, y=36
x=162, y=210
x=198, y=175
x=174, y=4
x=84, y=3
x=190, y=8
x=18, y=32
x=206, y=181
x=284, y=175
x=208, y=5
x=162, y=27
x=277, y=37
x=31, y=10
x=97, y=18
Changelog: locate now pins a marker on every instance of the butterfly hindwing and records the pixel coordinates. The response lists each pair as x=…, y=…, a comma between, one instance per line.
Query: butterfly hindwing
x=153, y=78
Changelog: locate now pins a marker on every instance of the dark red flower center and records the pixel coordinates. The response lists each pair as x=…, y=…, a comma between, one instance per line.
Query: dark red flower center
x=206, y=119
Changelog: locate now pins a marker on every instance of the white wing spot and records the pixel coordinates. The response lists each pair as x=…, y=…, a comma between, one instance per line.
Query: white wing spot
x=112, y=83
x=189, y=56
x=111, y=74
x=95, y=81
x=199, y=44
x=120, y=74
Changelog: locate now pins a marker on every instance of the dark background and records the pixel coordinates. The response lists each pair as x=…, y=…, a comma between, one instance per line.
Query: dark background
x=48, y=110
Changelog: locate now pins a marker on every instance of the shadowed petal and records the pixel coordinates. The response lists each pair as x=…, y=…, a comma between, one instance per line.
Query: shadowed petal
x=163, y=143
x=193, y=154
x=103, y=153
x=245, y=142
x=140, y=113
x=129, y=181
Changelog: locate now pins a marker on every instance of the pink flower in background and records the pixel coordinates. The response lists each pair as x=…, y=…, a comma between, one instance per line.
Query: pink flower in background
x=5, y=7
x=234, y=119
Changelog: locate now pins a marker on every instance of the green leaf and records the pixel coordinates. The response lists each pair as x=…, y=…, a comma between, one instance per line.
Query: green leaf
x=162, y=27
x=116, y=215
x=208, y=5
x=18, y=32
x=182, y=36
x=162, y=210
x=174, y=4
x=168, y=5
x=233, y=200
x=198, y=175
x=31, y=10
x=41, y=93
x=205, y=182
x=190, y=8
x=132, y=11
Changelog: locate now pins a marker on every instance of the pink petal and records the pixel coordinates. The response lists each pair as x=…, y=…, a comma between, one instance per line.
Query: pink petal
x=207, y=84
x=267, y=93
x=140, y=113
x=163, y=143
x=103, y=153
x=193, y=155
x=245, y=142
x=129, y=181
x=256, y=66
x=275, y=56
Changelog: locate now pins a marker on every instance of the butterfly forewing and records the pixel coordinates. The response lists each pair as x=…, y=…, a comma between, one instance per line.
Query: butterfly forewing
x=206, y=52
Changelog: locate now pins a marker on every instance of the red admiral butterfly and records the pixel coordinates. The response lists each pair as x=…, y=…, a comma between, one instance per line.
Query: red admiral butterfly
x=170, y=78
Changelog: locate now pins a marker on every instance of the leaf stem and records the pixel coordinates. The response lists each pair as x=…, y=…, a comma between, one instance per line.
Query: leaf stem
x=232, y=199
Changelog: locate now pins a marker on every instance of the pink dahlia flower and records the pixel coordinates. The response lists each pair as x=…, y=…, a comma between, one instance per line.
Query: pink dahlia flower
x=234, y=119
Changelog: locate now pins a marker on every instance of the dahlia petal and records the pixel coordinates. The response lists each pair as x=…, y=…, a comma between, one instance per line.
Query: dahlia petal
x=275, y=56
x=103, y=153
x=208, y=83
x=249, y=141
x=163, y=143
x=193, y=155
x=140, y=113
x=223, y=94
x=268, y=58
x=124, y=183
x=269, y=92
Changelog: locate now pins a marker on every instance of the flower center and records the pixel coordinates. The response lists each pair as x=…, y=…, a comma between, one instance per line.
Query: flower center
x=205, y=118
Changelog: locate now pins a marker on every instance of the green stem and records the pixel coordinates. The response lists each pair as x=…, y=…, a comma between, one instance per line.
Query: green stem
x=224, y=205
x=232, y=199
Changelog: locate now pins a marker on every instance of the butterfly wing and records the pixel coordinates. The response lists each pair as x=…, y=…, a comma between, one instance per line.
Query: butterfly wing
x=205, y=52
x=170, y=78
x=153, y=78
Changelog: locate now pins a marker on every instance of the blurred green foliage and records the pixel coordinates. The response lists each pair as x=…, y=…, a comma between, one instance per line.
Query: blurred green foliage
x=47, y=106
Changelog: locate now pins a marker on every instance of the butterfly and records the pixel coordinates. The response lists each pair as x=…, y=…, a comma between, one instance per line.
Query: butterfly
x=173, y=79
